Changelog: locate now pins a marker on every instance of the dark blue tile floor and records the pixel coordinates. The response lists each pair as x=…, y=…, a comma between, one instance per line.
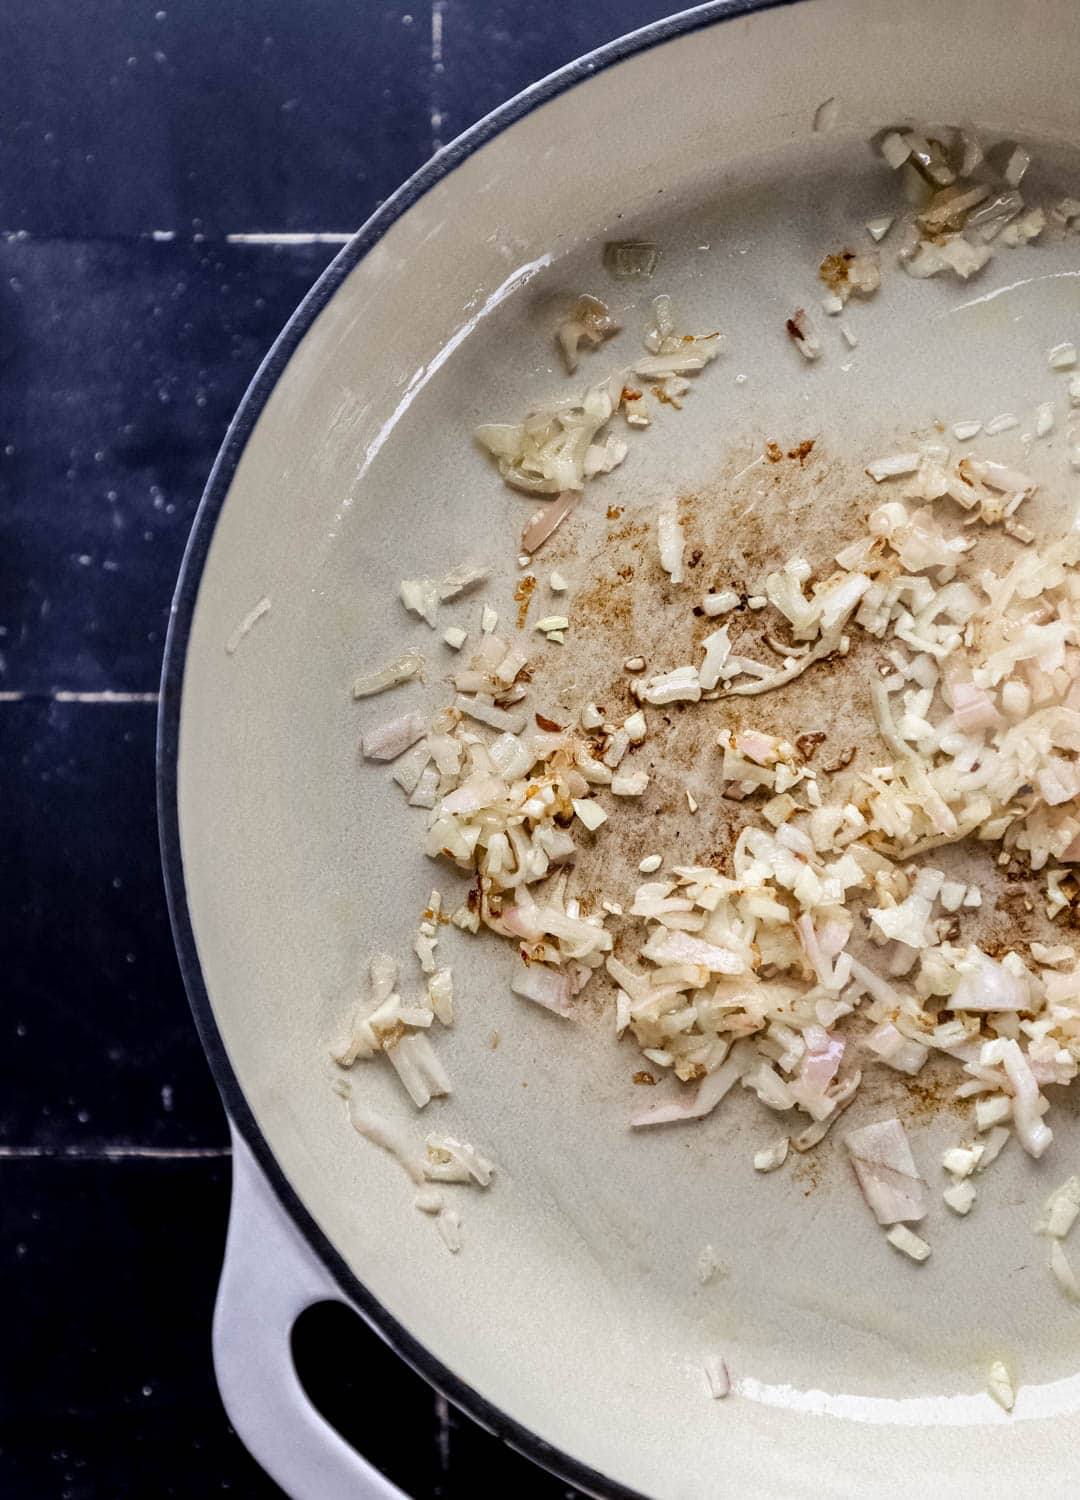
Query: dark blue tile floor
x=136, y=137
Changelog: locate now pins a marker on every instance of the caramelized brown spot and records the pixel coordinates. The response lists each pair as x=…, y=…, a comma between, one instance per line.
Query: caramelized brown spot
x=802, y=450
x=806, y=744
x=833, y=270
x=522, y=595
x=843, y=759
x=548, y=724
x=614, y=512
x=644, y=1077
x=773, y=451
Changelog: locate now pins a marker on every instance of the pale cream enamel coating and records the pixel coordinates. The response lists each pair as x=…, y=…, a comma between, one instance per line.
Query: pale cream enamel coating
x=575, y=1303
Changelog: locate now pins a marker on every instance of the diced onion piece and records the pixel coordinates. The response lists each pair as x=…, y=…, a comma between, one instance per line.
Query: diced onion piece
x=961, y=1161
x=986, y=985
x=630, y=784
x=440, y=987
x=901, y=1238
x=895, y=149
x=886, y=1172
x=719, y=604
x=1000, y=1384
x=1060, y=1210
x=896, y=1050
x=801, y=332
x=545, y=986
x=393, y=738
x=771, y=1157
x=421, y=596
x=450, y=1160
x=717, y=650
x=893, y=465
x=449, y=1226
x=671, y=540
x=460, y=580
x=417, y=1065
x=1034, y=1135
x=589, y=812
x=960, y=1196
x=541, y=525
x=405, y=669
x=487, y=713
x=681, y=685
x=711, y=1090
x=716, y=1377
x=1063, y=1271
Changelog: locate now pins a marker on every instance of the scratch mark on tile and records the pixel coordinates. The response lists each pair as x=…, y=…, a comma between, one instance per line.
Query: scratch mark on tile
x=286, y=237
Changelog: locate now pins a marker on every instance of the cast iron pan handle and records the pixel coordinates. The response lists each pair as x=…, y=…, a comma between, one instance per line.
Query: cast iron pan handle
x=268, y=1277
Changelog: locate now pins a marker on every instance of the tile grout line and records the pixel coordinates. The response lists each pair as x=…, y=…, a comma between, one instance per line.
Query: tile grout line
x=442, y=1417
x=286, y=237
x=172, y=236
x=438, y=14
x=64, y=695
x=115, y=1153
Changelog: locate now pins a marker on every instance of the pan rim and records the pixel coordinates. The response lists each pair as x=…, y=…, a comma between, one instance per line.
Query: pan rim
x=409, y=1348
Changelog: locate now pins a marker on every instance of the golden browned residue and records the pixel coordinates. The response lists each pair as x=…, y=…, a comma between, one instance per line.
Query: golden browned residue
x=614, y=512
x=644, y=1077
x=843, y=760
x=744, y=524
x=773, y=452
x=806, y=744
x=802, y=451
x=833, y=270
x=522, y=595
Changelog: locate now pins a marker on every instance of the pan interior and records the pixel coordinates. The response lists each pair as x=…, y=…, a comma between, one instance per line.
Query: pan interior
x=576, y=1303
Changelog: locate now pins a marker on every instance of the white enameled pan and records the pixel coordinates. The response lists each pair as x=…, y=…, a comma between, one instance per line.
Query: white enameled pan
x=573, y=1321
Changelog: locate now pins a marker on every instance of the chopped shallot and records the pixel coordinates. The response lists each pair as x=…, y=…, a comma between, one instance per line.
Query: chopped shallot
x=901, y=1238
x=886, y=1171
x=547, y=987
x=671, y=540
x=1001, y=1386
x=405, y=669
x=1063, y=1271
x=394, y=737
x=1060, y=1210
x=541, y=525
x=716, y=1377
